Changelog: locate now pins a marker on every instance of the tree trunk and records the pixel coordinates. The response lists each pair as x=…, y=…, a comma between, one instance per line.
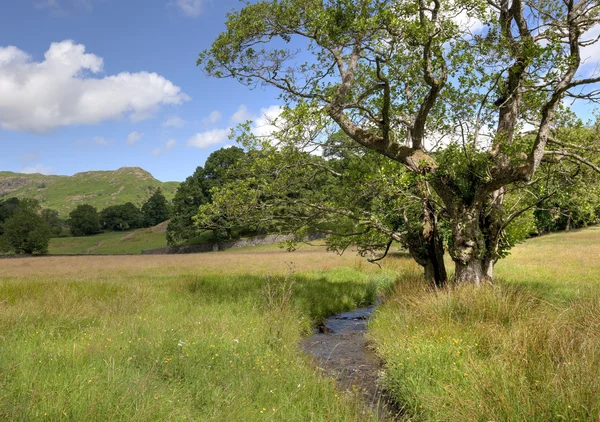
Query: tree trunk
x=471, y=272
x=569, y=218
x=468, y=248
x=488, y=270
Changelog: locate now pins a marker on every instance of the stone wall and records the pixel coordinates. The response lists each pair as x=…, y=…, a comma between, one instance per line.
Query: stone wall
x=268, y=239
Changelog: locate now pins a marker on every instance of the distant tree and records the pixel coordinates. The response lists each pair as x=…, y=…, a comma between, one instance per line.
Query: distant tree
x=219, y=170
x=155, y=210
x=84, y=221
x=121, y=217
x=26, y=231
x=54, y=222
x=7, y=208
x=188, y=198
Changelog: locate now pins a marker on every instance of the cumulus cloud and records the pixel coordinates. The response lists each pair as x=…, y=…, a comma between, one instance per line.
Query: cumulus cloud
x=266, y=123
x=189, y=8
x=60, y=91
x=37, y=169
x=171, y=143
x=240, y=116
x=134, y=137
x=212, y=118
x=208, y=138
x=174, y=121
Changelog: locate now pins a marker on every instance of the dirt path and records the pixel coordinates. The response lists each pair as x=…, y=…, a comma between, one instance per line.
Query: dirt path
x=339, y=349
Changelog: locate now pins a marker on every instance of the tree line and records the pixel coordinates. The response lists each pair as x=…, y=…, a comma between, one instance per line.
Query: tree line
x=27, y=228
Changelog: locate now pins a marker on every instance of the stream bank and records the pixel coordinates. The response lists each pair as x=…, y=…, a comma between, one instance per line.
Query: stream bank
x=339, y=349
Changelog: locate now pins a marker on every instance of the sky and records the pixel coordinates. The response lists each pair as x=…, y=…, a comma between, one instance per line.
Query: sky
x=102, y=84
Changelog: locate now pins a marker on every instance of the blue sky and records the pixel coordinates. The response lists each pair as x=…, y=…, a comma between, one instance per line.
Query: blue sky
x=101, y=84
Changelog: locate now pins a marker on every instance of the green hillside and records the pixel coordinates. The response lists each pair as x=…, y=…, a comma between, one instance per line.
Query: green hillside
x=97, y=188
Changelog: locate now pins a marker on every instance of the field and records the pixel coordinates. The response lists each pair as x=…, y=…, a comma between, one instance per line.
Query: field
x=523, y=350
x=202, y=337
x=214, y=336
x=131, y=242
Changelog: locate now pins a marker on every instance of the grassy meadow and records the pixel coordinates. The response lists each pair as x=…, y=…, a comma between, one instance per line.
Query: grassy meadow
x=526, y=349
x=130, y=242
x=197, y=337
x=214, y=336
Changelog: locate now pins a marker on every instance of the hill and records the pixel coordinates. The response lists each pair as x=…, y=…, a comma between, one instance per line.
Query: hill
x=97, y=188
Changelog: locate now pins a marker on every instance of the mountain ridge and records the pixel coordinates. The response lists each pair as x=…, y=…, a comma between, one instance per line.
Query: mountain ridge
x=99, y=188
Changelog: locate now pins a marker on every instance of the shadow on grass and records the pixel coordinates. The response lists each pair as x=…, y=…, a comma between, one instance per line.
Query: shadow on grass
x=318, y=297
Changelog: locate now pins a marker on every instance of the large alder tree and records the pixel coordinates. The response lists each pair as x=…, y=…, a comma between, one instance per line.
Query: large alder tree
x=466, y=95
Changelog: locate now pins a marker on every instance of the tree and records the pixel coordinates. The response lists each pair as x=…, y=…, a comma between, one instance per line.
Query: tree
x=84, y=221
x=218, y=166
x=54, y=222
x=155, y=209
x=410, y=82
x=25, y=231
x=196, y=191
x=121, y=217
x=7, y=208
x=188, y=198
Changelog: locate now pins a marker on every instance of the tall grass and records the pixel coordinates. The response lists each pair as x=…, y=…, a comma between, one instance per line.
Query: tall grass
x=518, y=351
x=171, y=338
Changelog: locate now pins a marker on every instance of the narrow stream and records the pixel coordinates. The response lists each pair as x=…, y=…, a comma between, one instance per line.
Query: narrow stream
x=339, y=349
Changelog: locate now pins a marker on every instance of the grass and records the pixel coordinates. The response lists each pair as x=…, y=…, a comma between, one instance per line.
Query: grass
x=131, y=242
x=525, y=349
x=199, y=337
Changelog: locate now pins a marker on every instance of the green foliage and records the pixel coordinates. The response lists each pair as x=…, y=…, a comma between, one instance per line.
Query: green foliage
x=220, y=169
x=54, y=222
x=84, y=221
x=25, y=231
x=121, y=217
x=189, y=196
x=7, y=208
x=155, y=210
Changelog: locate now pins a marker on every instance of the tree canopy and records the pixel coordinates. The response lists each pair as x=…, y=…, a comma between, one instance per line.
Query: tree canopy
x=467, y=96
x=155, y=210
x=25, y=231
x=84, y=220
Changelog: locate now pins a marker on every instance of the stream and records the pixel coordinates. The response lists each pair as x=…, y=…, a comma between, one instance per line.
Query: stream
x=340, y=350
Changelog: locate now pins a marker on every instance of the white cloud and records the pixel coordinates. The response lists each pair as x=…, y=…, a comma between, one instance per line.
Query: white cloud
x=266, y=124
x=37, y=169
x=212, y=118
x=591, y=53
x=99, y=140
x=134, y=137
x=240, y=116
x=208, y=138
x=174, y=121
x=60, y=91
x=171, y=143
x=468, y=23
x=190, y=8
